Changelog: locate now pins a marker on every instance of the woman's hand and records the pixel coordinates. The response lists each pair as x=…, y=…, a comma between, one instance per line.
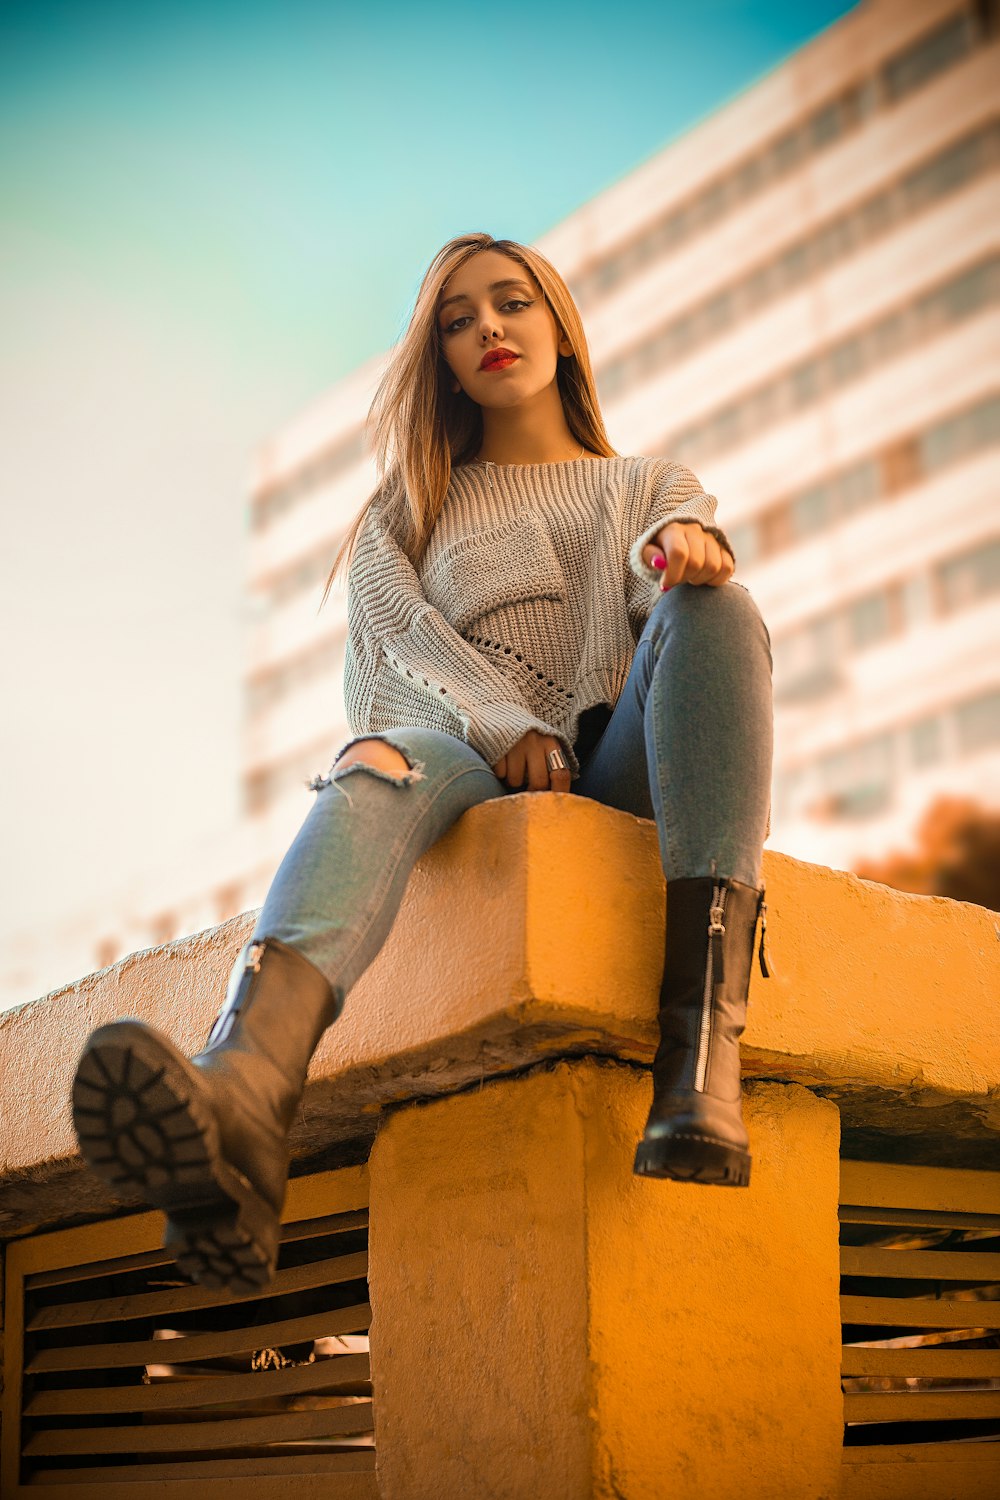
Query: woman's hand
x=529, y=753
x=692, y=555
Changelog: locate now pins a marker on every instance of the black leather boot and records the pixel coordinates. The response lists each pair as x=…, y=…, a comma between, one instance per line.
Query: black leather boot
x=206, y=1139
x=695, y=1130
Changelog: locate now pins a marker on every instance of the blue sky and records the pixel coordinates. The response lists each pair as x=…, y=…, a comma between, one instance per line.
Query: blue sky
x=210, y=212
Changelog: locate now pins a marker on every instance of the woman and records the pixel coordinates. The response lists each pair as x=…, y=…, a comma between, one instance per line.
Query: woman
x=527, y=610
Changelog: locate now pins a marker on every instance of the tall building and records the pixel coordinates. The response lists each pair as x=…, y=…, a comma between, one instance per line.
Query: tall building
x=799, y=300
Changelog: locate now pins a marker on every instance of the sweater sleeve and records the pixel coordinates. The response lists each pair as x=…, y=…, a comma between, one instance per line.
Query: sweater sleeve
x=400, y=647
x=675, y=495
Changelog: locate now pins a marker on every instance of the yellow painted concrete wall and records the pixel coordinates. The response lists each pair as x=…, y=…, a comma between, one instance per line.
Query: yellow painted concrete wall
x=547, y=1324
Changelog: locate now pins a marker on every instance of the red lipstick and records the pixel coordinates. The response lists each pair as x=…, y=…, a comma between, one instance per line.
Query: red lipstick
x=497, y=359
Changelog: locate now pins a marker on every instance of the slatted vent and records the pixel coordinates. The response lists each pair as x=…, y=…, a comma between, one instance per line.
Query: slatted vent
x=920, y=1313
x=132, y=1375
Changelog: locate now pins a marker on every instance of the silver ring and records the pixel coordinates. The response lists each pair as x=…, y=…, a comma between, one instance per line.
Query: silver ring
x=554, y=761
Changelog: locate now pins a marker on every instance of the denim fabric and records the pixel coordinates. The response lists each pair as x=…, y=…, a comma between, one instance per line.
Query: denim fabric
x=689, y=745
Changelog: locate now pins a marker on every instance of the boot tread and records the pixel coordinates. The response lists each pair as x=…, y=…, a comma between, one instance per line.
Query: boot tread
x=144, y=1127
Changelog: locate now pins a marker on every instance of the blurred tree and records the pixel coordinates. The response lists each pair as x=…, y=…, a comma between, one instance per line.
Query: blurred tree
x=957, y=855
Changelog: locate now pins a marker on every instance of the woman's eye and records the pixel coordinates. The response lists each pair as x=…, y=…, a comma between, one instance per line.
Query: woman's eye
x=513, y=302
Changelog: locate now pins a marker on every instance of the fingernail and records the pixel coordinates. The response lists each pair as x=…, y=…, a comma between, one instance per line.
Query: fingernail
x=659, y=562
x=665, y=588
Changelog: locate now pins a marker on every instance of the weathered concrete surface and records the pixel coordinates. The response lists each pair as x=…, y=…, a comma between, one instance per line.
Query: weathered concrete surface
x=534, y=928
x=560, y=1327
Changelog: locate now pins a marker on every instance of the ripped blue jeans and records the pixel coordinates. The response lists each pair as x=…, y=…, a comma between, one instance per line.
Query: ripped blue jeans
x=689, y=745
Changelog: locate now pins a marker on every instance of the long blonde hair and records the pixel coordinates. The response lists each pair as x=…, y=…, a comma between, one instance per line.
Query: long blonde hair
x=419, y=429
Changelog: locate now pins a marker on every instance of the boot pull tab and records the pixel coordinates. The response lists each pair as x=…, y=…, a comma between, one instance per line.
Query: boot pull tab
x=766, y=966
x=716, y=932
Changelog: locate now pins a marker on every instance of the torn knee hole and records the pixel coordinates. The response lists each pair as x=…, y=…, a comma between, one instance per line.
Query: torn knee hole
x=385, y=758
x=398, y=770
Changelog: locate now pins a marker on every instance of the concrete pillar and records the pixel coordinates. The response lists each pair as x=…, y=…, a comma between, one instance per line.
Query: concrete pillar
x=545, y=1323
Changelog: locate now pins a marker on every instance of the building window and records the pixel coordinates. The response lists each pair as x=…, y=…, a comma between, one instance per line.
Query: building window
x=941, y=48
x=744, y=540
x=926, y=741
x=868, y=620
x=812, y=511
x=787, y=150
x=825, y=125
x=977, y=722
x=847, y=361
x=805, y=383
x=858, y=488
x=971, y=576
x=960, y=434
x=859, y=778
x=916, y=601
x=946, y=172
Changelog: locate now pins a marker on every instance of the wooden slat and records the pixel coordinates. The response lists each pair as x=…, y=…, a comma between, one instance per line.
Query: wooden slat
x=928, y=1265
x=330, y=1272
x=916, y=1218
x=362, y=1461
x=290, y=1234
x=341, y=1190
x=864, y=1456
x=968, y=1364
x=310, y=1229
x=891, y=1185
x=174, y=1437
x=919, y=1312
x=921, y=1406
x=964, y=1475
x=338, y=1191
x=332, y=1375
x=200, y=1347
x=63, y=1275
x=307, y=1486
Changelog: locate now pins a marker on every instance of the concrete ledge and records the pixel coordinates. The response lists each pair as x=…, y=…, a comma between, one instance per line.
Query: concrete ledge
x=533, y=931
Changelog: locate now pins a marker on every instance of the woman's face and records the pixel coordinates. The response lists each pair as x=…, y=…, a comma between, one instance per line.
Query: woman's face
x=492, y=302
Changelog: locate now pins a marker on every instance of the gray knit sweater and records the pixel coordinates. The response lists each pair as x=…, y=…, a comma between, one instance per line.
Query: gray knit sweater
x=527, y=604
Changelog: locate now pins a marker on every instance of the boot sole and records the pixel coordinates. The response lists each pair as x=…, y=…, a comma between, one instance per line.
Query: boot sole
x=144, y=1128
x=693, y=1158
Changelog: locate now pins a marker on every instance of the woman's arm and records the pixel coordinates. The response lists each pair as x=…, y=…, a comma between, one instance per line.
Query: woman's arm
x=402, y=644
x=675, y=495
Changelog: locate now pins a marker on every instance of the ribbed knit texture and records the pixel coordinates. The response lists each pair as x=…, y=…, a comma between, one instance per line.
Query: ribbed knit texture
x=528, y=603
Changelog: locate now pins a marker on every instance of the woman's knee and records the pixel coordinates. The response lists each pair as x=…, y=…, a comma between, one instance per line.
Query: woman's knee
x=374, y=752
x=729, y=608
x=404, y=753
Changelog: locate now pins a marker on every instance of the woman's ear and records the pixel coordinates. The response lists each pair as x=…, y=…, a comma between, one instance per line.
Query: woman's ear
x=565, y=347
x=455, y=387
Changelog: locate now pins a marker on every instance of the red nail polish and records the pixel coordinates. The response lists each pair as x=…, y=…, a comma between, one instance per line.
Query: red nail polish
x=659, y=562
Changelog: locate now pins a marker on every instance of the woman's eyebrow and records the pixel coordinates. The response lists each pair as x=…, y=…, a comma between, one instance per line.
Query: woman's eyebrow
x=494, y=286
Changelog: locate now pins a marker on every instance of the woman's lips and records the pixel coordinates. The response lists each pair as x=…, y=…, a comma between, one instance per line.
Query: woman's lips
x=500, y=364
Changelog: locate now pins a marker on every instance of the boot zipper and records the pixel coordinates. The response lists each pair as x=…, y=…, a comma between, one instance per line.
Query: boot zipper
x=226, y=1019
x=713, y=976
x=766, y=967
